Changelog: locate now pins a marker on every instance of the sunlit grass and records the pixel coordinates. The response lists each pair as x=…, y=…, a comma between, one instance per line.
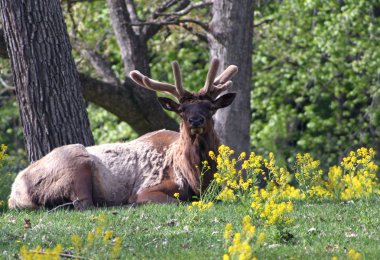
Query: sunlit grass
x=321, y=230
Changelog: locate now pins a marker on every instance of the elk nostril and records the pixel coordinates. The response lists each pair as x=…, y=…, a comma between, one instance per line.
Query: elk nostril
x=196, y=121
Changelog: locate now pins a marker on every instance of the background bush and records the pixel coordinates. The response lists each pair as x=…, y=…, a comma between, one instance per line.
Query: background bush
x=316, y=78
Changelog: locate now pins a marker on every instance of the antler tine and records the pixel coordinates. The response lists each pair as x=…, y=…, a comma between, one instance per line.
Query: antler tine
x=178, y=79
x=154, y=85
x=226, y=75
x=215, y=86
x=209, y=84
x=223, y=82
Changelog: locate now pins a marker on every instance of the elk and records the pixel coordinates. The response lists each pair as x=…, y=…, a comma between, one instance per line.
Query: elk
x=149, y=169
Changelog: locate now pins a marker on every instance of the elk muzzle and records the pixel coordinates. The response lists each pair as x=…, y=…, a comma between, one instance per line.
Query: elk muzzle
x=197, y=124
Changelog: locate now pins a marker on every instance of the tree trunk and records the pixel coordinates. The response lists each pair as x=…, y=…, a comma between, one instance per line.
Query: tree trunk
x=231, y=41
x=47, y=85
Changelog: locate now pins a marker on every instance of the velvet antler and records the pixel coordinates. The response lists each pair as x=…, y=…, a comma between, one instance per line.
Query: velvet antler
x=213, y=85
x=176, y=90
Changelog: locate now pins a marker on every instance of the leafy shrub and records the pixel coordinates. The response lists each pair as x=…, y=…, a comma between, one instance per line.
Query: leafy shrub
x=106, y=128
x=316, y=78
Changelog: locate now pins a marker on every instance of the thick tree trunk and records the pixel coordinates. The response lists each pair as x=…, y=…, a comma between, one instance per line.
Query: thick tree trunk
x=232, y=31
x=48, y=89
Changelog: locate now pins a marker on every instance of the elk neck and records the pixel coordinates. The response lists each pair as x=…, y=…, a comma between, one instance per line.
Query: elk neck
x=193, y=150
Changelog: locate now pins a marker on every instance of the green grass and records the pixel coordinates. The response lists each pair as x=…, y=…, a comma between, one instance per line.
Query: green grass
x=320, y=230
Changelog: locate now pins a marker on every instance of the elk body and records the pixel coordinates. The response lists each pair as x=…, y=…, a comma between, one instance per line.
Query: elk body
x=149, y=169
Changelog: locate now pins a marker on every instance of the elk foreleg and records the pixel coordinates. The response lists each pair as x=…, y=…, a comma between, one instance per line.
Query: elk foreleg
x=155, y=197
x=162, y=193
x=81, y=195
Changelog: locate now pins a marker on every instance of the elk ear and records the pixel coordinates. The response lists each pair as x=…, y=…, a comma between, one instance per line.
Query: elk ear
x=168, y=104
x=225, y=100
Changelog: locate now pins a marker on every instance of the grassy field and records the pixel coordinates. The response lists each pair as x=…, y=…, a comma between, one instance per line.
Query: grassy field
x=319, y=231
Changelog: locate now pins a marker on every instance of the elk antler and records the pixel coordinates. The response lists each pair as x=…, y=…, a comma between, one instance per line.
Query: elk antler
x=176, y=90
x=214, y=86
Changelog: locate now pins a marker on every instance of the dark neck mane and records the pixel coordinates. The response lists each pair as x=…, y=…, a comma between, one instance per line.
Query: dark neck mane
x=193, y=150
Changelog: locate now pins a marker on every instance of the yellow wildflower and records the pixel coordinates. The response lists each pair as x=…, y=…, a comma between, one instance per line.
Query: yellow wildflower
x=108, y=234
x=227, y=195
x=200, y=206
x=77, y=243
x=227, y=231
x=352, y=254
x=116, y=249
x=261, y=238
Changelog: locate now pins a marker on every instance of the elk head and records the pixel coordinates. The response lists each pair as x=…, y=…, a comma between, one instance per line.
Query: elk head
x=195, y=109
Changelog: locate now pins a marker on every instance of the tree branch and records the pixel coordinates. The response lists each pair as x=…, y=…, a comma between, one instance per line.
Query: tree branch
x=263, y=22
x=188, y=9
x=127, y=104
x=164, y=6
x=131, y=7
x=152, y=29
x=101, y=66
x=182, y=23
x=174, y=22
x=201, y=36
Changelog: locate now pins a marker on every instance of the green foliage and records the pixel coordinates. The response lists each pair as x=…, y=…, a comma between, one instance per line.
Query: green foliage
x=106, y=128
x=10, y=126
x=316, y=77
x=89, y=23
x=191, y=55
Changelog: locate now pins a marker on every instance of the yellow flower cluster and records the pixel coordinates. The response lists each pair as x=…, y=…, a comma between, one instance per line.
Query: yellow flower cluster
x=3, y=149
x=41, y=254
x=352, y=254
x=269, y=204
x=355, y=178
x=3, y=156
x=230, y=178
x=286, y=192
x=227, y=195
x=279, y=176
x=200, y=206
x=241, y=244
x=270, y=210
x=307, y=172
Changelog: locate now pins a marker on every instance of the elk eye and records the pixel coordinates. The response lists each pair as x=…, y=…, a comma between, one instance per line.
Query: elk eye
x=180, y=110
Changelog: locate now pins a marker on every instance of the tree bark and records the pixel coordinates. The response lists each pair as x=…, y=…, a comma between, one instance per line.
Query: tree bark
x=231, y=41
x=52, y=108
